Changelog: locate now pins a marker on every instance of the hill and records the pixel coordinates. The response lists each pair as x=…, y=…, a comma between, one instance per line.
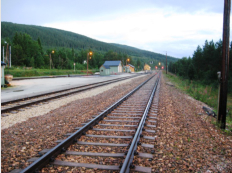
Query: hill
x=57, y=38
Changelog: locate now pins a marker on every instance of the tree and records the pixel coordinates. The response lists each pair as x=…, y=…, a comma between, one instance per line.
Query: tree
x=138, y=63
x=191, y=71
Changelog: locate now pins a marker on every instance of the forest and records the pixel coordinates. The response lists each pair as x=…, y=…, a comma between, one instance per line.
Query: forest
x=30, y=53
x=32, y=46
x=203, y=65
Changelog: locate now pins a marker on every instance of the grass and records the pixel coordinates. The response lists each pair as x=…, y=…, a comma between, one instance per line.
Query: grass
x=204, y=93
x=25, y=72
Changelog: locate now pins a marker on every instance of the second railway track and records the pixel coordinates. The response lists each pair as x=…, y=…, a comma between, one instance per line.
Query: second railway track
x=120, y=139
x=12, y=105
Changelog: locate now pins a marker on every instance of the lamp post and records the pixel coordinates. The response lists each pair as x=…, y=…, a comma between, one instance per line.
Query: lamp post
x=128, y=60
x=51, y=58
x=89, y=54
x=6, y=59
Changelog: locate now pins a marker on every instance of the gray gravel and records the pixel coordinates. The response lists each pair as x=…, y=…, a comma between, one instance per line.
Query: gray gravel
x=35, y=129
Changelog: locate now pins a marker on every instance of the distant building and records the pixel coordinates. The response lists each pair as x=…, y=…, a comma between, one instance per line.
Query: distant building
x=131, y=67
x=111, y=67
x=126, y=69
x=104, y=70
x=146, y=67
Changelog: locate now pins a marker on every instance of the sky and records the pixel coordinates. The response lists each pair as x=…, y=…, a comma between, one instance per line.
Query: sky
x=175, y=27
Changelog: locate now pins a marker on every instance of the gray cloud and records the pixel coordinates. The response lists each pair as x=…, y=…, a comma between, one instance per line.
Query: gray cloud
x=51, y=11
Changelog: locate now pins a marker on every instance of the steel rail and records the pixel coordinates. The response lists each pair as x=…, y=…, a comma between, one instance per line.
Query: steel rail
x=76, y=90
x=127, y=164
x=61, y=147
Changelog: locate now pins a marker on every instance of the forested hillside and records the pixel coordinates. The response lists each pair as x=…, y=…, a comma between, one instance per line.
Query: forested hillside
x=54, y=38
x=204, y=64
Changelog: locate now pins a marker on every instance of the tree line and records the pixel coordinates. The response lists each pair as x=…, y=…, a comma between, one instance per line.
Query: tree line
x=203, y=65
x=30, y=53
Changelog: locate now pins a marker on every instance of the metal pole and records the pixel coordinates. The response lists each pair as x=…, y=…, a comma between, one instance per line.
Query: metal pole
x=7, y=61
x=10, y=56
x=50, y=61
x=225, y=66
x=87, y=62
x=3, y=54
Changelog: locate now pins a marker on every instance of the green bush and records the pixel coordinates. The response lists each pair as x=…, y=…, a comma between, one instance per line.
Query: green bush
x=204, y=93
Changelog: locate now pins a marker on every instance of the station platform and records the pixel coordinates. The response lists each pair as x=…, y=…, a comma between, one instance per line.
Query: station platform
x=33, y=86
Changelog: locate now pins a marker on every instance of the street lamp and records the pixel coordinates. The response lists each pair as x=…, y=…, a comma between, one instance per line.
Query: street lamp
x=128, y=60
x=51, y=58
x=89, y=54
x=6, y=59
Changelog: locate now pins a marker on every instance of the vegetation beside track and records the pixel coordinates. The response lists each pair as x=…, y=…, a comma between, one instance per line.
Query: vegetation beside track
x=26, y=72
x=204, y=93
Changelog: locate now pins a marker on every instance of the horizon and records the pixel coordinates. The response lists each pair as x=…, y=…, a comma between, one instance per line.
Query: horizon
x=176, y=27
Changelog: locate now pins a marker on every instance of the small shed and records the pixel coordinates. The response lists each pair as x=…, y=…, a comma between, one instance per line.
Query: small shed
x=2, y=73
x=104, y=70
x=114, y=66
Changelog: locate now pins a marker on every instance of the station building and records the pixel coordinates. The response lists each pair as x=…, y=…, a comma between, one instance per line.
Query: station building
x=146, y=67
x=131, y=67
x=111, y=67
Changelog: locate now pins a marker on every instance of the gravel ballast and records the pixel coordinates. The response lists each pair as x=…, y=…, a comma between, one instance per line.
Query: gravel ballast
x=186, y=140
x=30, y=131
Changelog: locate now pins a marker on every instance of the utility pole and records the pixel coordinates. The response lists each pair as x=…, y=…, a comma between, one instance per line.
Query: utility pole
x=10, y=56
x=166, y=64
x=225, y=66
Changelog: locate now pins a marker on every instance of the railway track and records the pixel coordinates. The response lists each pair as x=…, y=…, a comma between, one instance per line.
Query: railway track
x=13, y=105
x=116, y=140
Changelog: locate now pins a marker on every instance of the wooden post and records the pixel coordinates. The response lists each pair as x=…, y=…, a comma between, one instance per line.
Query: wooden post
x=225, y=66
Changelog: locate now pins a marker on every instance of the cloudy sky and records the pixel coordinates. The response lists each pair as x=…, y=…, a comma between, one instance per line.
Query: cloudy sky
x=173, y=26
